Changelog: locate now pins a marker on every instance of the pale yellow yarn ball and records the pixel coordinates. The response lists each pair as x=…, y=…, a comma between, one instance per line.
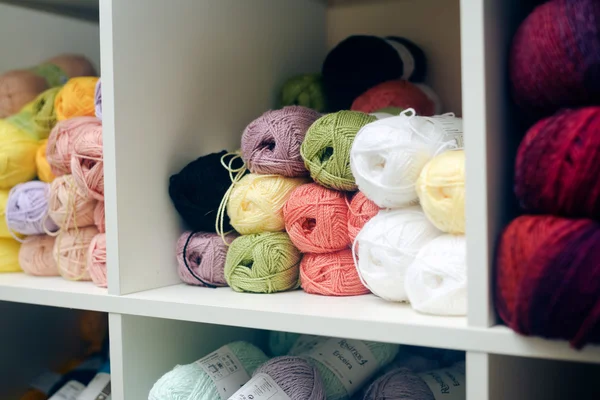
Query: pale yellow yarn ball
x=441, y=191
x=256, y=202
x=9, y=255
x=4, y=231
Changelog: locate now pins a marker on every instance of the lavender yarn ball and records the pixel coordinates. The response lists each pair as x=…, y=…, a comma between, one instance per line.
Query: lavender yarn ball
x=201, y=258
x=271, y=143
x=27, y=209
x=98, y=99
x=295, y=376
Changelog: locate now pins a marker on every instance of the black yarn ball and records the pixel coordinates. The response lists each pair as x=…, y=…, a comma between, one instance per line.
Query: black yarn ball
x=197, y=190
x=361, y=62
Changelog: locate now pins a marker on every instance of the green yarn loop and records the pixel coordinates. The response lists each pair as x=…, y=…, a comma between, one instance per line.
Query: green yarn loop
x=53, y=75
x=304, y=90
x=326, y=148
x=263, y=263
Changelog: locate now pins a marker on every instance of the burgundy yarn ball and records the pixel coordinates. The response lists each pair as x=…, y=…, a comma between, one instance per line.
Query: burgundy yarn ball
x=555, y=57
x=558, y=166
x=271, y=143
x=548, y=278
x=295, y=376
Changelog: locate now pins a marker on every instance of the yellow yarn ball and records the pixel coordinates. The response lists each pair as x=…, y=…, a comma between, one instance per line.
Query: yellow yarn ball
x=256, y=202
x=17, y=155
x=9, y=255
x=4, y=231
x=76, y=98
x=44, y=172
x=441, y=191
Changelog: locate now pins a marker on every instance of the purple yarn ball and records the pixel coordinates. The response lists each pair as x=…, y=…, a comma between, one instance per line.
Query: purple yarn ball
x=271, y=143
x=295, y=376
x=205, y=255
x=98, y=99
x=27, y=209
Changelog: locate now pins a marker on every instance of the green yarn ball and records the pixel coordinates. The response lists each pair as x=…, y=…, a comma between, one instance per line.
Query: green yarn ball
x=38, y=117
x=265, y=262
x=326, y=148
x=304, y=90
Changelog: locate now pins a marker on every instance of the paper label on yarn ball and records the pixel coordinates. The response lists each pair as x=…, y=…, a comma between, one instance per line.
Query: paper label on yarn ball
x=351, y=361
x=306, y=343
x=45, y=381
x=260, y=387
x=98, y=388
x=225, y=370
x=69, y=391
x=452, y=127
x=446, y=383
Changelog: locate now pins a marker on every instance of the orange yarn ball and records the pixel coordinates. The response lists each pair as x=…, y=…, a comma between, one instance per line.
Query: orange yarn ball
x=316, y=218
x=70, y=252
x=68, y=206
x=87, y=164
x=35, y=256
x=331, y=274
x=99, y=217
x=76, y=98
x=62, y=139
x=361, y=210
x=96, y=260
x=44, y=172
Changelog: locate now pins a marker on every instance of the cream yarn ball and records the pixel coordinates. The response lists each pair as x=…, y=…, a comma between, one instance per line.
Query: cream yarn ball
x=436, y=282
x=441, y=190
x=387, y=246
x=388, y=155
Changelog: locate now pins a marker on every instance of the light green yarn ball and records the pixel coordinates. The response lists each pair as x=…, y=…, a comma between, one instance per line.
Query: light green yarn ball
x=326, y=148
x=263, y=263
x=281, y=342
x=190, y=382
x=304, y=90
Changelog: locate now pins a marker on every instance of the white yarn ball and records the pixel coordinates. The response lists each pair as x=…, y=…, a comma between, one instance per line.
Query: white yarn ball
x=388, y=155
x=436, y=282
x=387, y=246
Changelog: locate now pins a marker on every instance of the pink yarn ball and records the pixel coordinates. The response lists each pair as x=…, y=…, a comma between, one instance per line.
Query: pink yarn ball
x=331, y=274
x=87, y=164
x=99, y=217
x=360, y=211
x=68, y=206
x=35, y=256
x=96, y=260
x=70, y=253
x=62, y=140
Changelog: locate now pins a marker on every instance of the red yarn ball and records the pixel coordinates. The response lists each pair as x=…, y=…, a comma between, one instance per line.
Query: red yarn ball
x=398, y=93
x=548, y=278
x=555, y=57
x=557, y=166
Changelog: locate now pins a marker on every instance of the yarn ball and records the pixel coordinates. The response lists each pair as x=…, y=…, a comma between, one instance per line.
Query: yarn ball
x=196, y=205
x=326, y=148
x=441, y=191
x=262, y=263
x=99, y=217
x=436, y=281
x=44, y=172
x=306, y=343
x=96, y=260
x=388, y=245
x=256, y=202
x=547, y=282
x=37, y=118
x=556, y=168
x=17, y=88
x=555, y=57
x=361, y=62
x=68, y=206
x=281, y=342
x=9, y=255
x=271, y=143
x=17, y=155
x=316, y=219
x=98, y=99
x=87, y=163
x=27, y=209
x=4, y=229
x=389, y=154
x=408, y=358
x=35, y=256
x=360, y=211
x=331, y=274
x=191, y=382
x=304, y=90
x=72, y=65
x=76, y=98
x=295, y=376
x=201, y=258
x=397, y=93
x=70, y=252
x=62, y=139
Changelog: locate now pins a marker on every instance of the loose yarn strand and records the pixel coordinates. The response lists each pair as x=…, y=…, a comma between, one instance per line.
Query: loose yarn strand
x=236, y=175
x=187, y=242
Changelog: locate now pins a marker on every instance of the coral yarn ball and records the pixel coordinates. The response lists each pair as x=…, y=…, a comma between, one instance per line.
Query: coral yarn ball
x=397, y=93
x=61, y=141
x=76, y=98
x=35, y=256
x=331, y=274
x=360, y=211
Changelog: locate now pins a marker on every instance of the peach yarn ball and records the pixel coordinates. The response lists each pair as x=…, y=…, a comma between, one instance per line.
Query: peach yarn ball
x=70, y=252
x=316, y=218
x=331, y=274
x=36, y=256
x=87, y=166
x=62, y=139
x=44, y=172
x=68, y=206
x=99, y=217
x=73, y=65
x=361, y=210
x=9, y=255
x=18, y=88
x=76, y=98
x=96, y=260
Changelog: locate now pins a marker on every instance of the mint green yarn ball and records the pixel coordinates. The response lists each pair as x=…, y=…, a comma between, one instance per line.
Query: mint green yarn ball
x=304, y=90
x=326, y=148
x=280, y=343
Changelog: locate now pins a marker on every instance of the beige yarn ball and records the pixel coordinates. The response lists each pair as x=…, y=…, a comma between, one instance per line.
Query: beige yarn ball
x=35, y=256
x=68, y=206
x=71, y=250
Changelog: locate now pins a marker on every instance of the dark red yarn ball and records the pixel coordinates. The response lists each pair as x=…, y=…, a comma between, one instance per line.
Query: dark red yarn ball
x=558, y=165
x=548, y=278
x=555, y=57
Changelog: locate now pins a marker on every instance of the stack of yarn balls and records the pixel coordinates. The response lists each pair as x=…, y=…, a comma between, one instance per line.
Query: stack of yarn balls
x=548, y=260
x=52, y=225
